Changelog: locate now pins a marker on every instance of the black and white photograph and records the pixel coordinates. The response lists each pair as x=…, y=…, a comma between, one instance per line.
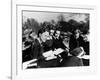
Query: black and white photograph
x=55, y=39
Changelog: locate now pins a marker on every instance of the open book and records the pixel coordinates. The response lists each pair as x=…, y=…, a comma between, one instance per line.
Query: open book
x=52, y=54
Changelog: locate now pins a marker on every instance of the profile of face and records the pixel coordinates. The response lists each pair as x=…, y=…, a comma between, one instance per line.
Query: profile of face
x=85, y=38
x=77, y=34
x=57, y=34
x=44, y=36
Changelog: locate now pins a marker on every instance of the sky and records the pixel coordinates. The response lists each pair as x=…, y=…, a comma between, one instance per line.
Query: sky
x=48, y=16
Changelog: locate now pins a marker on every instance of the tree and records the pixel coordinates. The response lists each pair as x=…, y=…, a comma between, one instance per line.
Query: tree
x=31, y=24
x=61, y=18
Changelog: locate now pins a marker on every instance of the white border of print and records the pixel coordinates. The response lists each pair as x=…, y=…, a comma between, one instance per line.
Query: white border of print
x=18, y=73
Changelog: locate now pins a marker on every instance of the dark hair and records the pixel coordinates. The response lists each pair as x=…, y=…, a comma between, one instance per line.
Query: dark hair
x=42, y=30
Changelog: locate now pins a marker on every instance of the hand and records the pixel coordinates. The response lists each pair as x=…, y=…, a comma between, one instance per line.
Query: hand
x=27, y=64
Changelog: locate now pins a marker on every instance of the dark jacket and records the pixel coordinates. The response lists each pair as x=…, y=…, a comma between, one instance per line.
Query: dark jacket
x=38, y=50
x=74, y=43
x=58, y=43
x=72, y=61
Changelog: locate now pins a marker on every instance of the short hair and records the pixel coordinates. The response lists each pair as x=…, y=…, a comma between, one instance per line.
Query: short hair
x=58, y=29
x=42, y=30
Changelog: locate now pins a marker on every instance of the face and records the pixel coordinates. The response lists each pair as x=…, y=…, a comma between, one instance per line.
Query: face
x=77, y=35
x=51, y=32
x=44, y=36
x=57, y=33
x=33, y=35
x=85, y=38
x=66, y=40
